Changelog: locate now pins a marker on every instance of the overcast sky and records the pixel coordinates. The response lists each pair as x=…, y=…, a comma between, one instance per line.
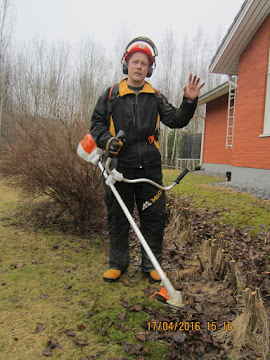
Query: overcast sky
x=106, y=20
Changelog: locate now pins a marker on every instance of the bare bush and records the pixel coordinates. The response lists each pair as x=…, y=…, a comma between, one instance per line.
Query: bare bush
x=40, y=158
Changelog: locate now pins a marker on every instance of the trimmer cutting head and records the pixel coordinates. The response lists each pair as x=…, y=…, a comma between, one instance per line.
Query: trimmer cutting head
x=174, y=300
x=161, y=295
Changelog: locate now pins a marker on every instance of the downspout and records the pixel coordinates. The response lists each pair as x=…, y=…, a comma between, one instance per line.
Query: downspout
x=202, y=140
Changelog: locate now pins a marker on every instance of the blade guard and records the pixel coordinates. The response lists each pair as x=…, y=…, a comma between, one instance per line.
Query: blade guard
x=88, y=150
x=161, y=295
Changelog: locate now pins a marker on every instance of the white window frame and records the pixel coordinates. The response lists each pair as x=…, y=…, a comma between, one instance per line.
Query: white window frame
x=266, y=127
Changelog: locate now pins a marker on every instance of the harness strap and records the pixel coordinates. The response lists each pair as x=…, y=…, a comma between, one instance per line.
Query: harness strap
x=110, y=93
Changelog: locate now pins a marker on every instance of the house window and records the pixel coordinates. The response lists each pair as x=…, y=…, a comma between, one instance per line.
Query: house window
x=266, y=128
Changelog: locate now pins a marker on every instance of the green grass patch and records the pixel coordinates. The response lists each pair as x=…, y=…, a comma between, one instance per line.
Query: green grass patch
x=234, y=208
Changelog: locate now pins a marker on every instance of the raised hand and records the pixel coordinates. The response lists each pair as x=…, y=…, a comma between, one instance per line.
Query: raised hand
x=191, y=91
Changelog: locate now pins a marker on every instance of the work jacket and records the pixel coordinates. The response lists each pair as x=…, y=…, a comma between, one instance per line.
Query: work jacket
x=138, y=116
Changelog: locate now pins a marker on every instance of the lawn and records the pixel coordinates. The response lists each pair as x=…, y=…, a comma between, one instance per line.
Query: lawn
x=234, y=208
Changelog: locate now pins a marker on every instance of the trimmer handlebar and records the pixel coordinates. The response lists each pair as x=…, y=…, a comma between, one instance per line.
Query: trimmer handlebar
x=180, y=177
x=115, y=174
x=119, y=177
x=121, y=135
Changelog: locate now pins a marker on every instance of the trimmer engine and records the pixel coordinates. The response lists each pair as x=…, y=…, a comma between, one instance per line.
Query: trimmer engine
x=88, y=150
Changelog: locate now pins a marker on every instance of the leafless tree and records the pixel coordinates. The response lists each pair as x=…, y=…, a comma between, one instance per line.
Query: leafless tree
x=174, y=67
x=166, y=82
x=91, y=76
x=6, y=26
x=40, y=79
x=118, y=52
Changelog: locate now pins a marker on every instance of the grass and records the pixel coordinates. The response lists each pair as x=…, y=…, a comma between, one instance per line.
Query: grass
x=52, y=281
x=234, y=208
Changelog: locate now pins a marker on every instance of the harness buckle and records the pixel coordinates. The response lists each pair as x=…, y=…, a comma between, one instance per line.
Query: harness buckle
x=151, y=139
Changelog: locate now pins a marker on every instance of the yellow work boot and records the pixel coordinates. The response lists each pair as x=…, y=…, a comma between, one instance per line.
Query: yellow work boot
x=111, y=275
x=154, y=275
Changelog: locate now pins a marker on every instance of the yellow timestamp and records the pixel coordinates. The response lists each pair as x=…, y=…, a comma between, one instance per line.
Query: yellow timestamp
x=188, y=326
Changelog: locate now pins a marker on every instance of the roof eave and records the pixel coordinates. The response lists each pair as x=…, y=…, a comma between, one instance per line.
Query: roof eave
x=215, y=93
x=246, y=23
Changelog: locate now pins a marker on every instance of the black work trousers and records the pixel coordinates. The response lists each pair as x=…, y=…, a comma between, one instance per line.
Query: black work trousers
x=151, y=204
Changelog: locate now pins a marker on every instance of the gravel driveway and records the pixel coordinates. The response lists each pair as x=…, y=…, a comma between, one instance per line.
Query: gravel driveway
x=262, y=193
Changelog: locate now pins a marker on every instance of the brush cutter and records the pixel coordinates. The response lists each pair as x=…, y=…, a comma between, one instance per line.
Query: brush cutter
x=88, y=150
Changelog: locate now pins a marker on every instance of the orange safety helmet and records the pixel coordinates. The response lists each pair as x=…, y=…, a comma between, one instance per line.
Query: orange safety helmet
x=142, y=47
x=140, y=44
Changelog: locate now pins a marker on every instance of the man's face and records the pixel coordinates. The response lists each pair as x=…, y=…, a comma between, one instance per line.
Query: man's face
x=137, y=68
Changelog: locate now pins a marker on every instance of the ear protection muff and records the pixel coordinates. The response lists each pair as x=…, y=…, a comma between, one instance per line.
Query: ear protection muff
x=147, y=41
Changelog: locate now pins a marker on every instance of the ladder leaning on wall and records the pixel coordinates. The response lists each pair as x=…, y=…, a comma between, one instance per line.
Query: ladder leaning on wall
x=231, y=114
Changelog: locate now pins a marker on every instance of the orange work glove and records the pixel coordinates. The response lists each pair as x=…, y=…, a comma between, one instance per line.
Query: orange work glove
x=113, y=146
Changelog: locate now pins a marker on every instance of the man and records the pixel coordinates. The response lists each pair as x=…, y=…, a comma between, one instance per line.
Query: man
x=137, y=110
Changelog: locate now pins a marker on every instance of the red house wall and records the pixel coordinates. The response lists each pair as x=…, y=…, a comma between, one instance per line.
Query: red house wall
x=215, y=151
x=249, y=149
